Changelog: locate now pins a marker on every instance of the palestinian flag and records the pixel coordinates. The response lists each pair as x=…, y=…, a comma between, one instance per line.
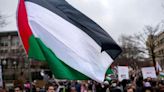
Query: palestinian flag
x=75, y=47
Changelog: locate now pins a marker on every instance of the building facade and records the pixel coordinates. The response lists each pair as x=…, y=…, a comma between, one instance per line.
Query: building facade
x=13, y=58
x=159, y=48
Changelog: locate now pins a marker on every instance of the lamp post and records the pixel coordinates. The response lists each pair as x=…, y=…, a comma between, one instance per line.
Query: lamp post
x=2, y=79
x=14, y=63
x=1, y=75
x=4, y=62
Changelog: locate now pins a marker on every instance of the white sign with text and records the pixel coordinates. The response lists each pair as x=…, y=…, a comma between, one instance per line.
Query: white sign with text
x=149, y=72
x=123, y=73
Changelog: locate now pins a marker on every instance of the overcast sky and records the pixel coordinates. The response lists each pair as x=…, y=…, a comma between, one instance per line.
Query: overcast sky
x=115, y=16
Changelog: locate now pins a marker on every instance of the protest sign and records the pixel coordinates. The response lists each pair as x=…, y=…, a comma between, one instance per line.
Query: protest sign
x=123, y=73
x=149, y=72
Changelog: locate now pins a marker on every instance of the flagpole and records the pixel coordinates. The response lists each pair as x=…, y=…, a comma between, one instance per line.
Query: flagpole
x=30, y=75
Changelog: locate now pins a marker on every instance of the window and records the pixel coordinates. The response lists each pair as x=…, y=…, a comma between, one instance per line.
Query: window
x=162, y=41
x=15, y=41
x=4, y=41
x=3, y=51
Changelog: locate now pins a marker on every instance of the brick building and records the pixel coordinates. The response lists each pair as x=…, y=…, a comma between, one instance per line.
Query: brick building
x=159, y=49
x=14, y=60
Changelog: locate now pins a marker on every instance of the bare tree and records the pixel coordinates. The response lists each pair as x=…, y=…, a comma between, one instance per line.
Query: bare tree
x=148, y=42
x=129, y=46
x=131, y=52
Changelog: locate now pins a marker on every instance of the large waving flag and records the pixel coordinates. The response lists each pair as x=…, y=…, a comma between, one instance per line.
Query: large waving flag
x=74, y=46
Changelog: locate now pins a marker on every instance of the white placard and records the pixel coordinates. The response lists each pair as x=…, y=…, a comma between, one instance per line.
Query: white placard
x=149, y=72
x=1, y=80
x=123, y=73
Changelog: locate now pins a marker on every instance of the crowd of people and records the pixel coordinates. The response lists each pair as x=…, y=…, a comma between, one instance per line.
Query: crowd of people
x=135, y=83
x=127, y=85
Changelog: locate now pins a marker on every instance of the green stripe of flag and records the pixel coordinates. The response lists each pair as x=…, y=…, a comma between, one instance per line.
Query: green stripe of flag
x=59, y=69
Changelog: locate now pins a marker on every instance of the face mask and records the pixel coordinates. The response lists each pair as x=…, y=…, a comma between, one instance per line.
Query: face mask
x=114, y=84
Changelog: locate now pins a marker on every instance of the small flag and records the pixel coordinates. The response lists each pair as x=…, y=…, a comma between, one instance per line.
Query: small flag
x=158, y=67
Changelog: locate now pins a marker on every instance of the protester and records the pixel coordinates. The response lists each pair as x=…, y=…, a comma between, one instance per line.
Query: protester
x=115, y=86
x=37, y=89
x=130, y=88
x=27, y=86
x=50, y=88
x=136, y=83
x=147, y=85
x=161, y=86
x=73, y=89
x=84, y=88
x=18, y=89
x=2, y=90
x=139, y=84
